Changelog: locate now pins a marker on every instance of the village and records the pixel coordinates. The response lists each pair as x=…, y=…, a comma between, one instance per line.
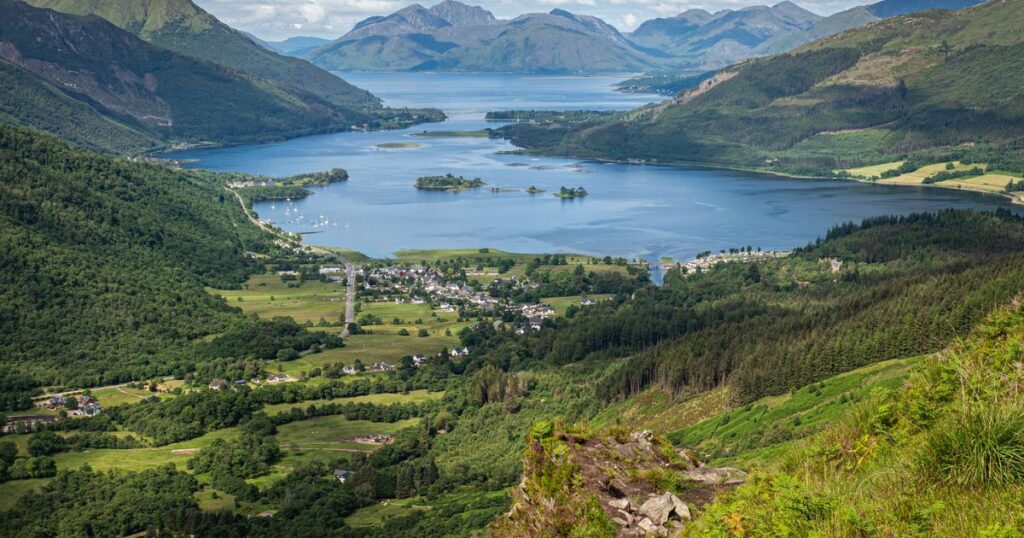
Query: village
x=706, y=260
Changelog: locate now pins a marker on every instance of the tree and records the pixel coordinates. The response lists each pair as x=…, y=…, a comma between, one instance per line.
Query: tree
x=8, y=452
x=45, y=443
x=71, y=403
x=359, y=366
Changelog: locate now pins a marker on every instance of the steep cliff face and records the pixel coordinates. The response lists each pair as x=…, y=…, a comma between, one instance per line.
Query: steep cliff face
x=612, y=483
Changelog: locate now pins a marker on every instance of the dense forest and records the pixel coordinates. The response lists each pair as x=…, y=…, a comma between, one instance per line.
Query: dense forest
x=106, y=263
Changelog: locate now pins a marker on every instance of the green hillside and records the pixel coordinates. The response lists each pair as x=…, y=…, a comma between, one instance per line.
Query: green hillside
x=933, y=85
x=183, y=27
x=31, y=101
x=105, y=265
x=939, y=455
x=151, y=89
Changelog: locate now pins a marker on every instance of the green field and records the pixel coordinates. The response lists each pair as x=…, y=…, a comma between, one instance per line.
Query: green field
x=334, y=432
x=370, y=348
x=416, y=396
x=408, y=314
x=267, y=297
x=11, y=491
x=560, y=304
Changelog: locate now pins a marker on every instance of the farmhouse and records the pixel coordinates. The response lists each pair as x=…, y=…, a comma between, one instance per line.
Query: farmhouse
x=217, y=384
x=341, y=475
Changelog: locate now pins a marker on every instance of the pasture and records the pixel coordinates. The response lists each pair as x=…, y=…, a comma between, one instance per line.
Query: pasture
x=267, y=296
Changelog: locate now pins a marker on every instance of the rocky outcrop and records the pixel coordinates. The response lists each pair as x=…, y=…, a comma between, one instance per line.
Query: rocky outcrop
x=610, y=483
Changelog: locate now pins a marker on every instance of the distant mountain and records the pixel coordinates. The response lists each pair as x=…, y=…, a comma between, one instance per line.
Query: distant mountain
x=932, y=86
x=183, y=27
x=856, y=17
x=455, y=37
x=94, y=71
x=712, y=40
x=295, y=46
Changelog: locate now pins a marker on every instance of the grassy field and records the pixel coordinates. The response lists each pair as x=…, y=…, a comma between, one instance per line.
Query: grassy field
x=370, y=348
x=10, y=491
x=416, y=396
x=267, y=296
x=372, y=516
x=560, y=304
x=409, y=314
x=111, y=396
x=746, y=434
x=334, y=432
x=655, y=410
x=874, y=171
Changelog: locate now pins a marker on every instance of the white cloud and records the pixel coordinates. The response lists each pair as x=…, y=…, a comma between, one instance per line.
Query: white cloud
x=278, y=19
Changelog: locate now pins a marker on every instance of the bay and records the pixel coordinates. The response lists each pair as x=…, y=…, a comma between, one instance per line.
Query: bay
x=633, y=211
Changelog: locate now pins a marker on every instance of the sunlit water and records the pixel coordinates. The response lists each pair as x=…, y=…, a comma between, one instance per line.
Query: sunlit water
x=632, y=211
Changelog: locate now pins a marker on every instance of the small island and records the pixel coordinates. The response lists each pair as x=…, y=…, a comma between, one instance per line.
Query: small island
x=534, y=190
x=448, y=182
x=569, y=192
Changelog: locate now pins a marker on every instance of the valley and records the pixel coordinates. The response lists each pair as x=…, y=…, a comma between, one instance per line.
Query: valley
x=742, y=272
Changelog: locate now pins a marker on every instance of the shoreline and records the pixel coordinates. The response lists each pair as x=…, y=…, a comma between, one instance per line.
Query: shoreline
x=1015, y=200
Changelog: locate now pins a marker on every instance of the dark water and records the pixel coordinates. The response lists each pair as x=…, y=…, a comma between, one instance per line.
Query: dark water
x=632, y=211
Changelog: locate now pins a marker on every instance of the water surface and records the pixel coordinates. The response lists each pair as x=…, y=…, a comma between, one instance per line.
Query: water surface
x=632, y=211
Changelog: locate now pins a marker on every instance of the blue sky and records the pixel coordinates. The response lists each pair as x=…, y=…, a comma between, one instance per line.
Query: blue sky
x=278, y=19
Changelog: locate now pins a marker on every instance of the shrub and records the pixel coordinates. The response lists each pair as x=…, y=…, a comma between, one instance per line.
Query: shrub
x=978, y=448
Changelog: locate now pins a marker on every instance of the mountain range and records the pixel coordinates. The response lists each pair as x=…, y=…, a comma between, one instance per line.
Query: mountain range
x=919, y=86
x=452, y=36
x=161, y=72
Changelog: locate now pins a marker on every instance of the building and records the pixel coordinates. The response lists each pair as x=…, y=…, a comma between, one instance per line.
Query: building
x=341, y=475
x=217, y=384
x=329, y=270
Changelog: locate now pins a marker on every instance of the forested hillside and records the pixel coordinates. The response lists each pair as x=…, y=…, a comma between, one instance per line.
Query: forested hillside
x=105, y=266
x=935, y=85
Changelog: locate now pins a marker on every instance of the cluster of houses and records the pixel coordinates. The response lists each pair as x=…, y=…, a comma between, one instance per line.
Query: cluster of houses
x=221, y=384
x=706, y=262
x=87, y=405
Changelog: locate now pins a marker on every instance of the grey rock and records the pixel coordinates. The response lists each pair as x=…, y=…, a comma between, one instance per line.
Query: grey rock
x=658, y=508
x=717, y=475
x=680, y=509
x=620, y=504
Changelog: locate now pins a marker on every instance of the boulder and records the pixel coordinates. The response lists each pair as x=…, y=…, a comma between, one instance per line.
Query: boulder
x=681, y=510
x=647, y=525
x=619, y=522
x=620, y=504
x=717, y=475
x=627, y=516
x=658, y=508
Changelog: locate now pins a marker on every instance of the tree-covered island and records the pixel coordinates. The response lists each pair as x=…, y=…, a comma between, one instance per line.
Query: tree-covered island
x=569, y=192
x=448, y=182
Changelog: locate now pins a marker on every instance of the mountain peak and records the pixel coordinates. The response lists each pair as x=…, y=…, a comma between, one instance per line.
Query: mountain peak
x=459, y=14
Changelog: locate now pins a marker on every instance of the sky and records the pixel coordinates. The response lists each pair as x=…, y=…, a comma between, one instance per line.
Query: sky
x=279, y=19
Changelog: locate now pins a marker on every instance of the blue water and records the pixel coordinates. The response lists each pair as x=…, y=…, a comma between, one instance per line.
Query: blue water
x=632, y=211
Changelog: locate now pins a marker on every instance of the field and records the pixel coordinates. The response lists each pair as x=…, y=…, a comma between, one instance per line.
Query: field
x=370, y=348
x=560, y=304
x=416, y=396
x=11, y=491
x=267, y=297
x=334, y=433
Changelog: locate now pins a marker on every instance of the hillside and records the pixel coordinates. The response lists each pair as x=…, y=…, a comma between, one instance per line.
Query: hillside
x=183, y=27
x=31, y=101
x=106, y=266
x=918, y=84
x=855, y=17
x=934, y=451
x=702, y=40
x=166, y=94
x=455, y=37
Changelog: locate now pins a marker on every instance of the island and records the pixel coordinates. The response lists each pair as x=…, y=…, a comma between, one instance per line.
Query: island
x=534, y=190
x=569, y=192
x=448, y=182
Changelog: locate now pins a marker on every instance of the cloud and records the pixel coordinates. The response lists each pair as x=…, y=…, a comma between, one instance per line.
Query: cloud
x=279, y=19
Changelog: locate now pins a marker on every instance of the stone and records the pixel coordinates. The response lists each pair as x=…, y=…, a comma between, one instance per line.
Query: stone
x=627, y=516
x=680, y=509
x=647, y=525
x=617, y=488
x=620, y=504
x=658, y=508
x=717, y=475
x=620, y=522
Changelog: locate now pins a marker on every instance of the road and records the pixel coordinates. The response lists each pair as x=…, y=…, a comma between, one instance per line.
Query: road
x=350, y=269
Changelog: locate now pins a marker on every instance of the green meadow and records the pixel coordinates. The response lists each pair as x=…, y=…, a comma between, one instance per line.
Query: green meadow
x=267, y=296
